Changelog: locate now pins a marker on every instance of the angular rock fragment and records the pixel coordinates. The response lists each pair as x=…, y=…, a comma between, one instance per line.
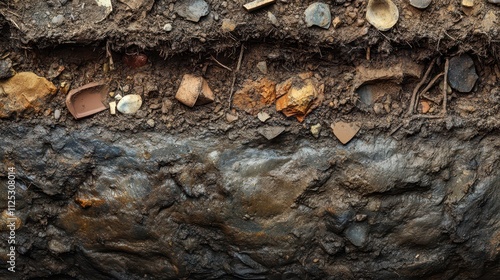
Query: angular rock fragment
x=112, y=107
x=263, y=116
x=23, y=91
x=192, y=10
x=318, y=14
x=194, y=91
x=298, y=96
x=345, y=131
x=271, y=132
x=255, y=95
x=462, y=74
x=6, y=70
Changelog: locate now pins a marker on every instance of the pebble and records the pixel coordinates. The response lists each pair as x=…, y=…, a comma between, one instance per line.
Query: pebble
x=58, y=20
x=424, y=106
x=228, y=25
x=166, y=106
x=263, y=116
x=357, y=234
x=462, y=74
x=167, y=27
x=129, y=104
x=272, y=19
x=231, y=118
x=315, y=130
x=58, y=247
x=192, y=10
x=421, y=4
x=336, y=22
x=262, y=66
x=57, y=114
x=6, y=70
x=151, y=123
x=378, y=108
x=318, y=14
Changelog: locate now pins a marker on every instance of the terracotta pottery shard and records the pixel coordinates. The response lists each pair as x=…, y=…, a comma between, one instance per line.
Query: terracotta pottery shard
x=87, y=100
x=345, y=131
x=194, y=91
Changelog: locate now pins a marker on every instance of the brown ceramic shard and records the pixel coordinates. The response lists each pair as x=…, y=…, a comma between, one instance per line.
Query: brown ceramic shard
x=87, y=100
x=345, y=131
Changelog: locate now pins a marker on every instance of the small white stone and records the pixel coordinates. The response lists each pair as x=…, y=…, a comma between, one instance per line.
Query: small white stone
x=167, y=27
x=129, y=104
x=57, y=114
x=263, y=116
x=112, y=107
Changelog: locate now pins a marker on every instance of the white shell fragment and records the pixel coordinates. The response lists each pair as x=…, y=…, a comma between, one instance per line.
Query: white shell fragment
x=382, y=14
x=129, y=104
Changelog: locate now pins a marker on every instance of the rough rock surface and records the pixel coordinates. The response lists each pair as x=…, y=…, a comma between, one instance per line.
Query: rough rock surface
x=23, y=91
x=153, y=198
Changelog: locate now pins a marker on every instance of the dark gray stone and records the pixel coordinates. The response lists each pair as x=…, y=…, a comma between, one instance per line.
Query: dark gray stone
x=6, y=70
x=462, y=74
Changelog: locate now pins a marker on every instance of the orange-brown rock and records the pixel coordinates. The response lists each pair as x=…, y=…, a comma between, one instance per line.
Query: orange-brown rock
x=255, y=95
x=23, y=91
x=298, y=96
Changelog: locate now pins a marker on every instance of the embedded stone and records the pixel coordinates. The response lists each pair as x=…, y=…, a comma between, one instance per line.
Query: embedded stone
x=462, y=74
x=421, y=4
x=192, y=10
x=129, y=104
x=318, y=14
x=23, y=91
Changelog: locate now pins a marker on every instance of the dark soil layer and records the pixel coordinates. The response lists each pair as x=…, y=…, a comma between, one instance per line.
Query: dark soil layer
x=174, y=192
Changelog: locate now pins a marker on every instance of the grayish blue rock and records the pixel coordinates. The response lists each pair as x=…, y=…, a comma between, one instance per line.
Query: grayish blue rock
x=192, y=10
x=318, y=14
